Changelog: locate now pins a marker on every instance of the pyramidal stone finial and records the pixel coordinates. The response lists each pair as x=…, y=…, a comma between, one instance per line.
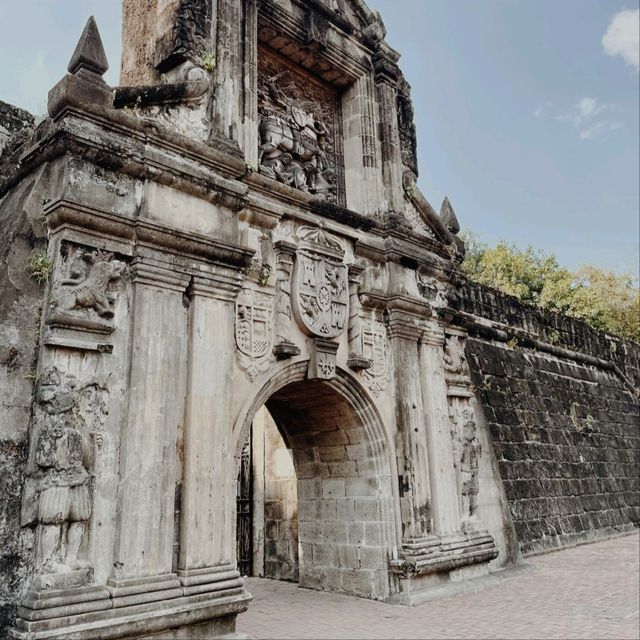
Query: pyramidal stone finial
x=89, y=53
x=449, y=218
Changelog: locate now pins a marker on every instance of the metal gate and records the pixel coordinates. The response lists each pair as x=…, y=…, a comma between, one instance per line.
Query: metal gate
x=244, y=501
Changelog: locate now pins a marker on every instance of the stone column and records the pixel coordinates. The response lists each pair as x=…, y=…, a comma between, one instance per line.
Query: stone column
x=386, y=77
x=446, y=510
x=145, y=526
x=207, y=551
x=228, y=71
x=249, y=141
x=413, y=461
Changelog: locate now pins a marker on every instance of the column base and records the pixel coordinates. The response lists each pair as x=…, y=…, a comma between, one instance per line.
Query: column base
x=428, y=567
x=204, y=603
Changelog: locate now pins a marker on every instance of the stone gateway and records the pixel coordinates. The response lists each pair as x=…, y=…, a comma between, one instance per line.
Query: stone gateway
x=252, y=350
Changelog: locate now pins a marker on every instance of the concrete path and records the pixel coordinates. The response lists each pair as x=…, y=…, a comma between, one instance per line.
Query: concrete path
x=587, y=592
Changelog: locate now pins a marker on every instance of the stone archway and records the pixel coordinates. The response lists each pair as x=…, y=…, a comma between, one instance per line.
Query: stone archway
x=344, y=479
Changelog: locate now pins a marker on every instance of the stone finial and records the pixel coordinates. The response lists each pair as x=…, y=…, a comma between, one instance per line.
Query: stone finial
x=89, y=53
x=448, y=217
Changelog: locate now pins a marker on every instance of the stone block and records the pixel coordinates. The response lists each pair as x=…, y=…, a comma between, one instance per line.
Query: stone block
x=333, y=488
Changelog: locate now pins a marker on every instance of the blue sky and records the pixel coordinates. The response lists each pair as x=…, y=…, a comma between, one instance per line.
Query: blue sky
x=527, y=113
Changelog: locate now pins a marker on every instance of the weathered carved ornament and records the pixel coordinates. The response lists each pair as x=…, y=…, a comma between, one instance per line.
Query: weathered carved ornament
x=65, y=439
x=85, y=292
x=320, y=285
x=299, y=130
x=374, y=348
x=455, y=362
x=254, y=330
x=432, y=289
x=467, y=452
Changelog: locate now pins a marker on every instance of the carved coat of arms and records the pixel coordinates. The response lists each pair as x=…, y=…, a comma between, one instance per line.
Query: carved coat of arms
x=320, y=285
x=254, y=329
x=374, y=348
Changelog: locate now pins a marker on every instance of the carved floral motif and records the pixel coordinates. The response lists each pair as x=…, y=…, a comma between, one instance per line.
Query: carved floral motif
x=299, y=130
x=467, y=452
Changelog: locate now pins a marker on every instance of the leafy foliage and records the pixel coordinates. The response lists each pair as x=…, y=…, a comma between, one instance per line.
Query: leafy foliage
x=602, y=298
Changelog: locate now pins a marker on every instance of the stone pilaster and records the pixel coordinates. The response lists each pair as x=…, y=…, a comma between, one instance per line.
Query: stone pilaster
x=413, y=461
x=143, y=555
x=207, y=558
x=228, y=72
x=386, y=77
x=446, y=512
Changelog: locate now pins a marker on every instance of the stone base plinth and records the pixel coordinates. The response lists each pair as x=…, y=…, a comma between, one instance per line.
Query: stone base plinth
x=143, y=608
x=431, y=567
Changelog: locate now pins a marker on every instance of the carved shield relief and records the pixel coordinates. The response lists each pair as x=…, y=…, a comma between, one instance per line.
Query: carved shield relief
x=320, y=286
x=254, y=324
x=374, y=348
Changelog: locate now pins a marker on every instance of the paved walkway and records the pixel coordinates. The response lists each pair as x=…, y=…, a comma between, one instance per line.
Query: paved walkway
x=587, y=592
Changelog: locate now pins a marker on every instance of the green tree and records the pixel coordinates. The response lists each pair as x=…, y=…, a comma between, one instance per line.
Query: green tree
x=604, y=299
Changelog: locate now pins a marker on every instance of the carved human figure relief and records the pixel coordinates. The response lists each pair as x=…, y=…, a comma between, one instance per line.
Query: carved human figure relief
x=85, y=291
x=320, y=285
x=298, y=130
x=374, y=348
x=254, y=330
x=57, y=497
x=467, y=452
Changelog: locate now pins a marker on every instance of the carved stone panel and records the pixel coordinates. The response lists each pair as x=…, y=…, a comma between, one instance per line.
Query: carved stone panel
x=320, y=286
x=254, y=330
x=66, y=435
x=374, y=348
x=300, y=132
x=85, y=289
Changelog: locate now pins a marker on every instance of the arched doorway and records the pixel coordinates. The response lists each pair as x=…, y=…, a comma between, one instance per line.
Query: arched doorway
x=335, y=502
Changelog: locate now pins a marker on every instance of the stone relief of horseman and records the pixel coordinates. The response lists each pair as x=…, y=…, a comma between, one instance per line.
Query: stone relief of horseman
x=293, y=140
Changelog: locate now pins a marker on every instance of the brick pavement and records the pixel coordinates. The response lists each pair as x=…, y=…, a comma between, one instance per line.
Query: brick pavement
x=590, y=591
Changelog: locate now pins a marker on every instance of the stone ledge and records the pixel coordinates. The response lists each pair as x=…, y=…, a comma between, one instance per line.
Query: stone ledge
x=107, y=620
x=438, y=554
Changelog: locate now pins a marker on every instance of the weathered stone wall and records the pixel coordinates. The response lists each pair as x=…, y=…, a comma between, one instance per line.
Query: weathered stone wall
x=280, y=508
x=558, y=398
x=22, y=236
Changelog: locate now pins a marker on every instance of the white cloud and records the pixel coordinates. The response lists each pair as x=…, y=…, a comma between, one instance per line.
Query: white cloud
x=590, y=118
x=622, y=37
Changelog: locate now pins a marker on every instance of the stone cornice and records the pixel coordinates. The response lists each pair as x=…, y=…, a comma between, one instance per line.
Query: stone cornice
x=141, y=232
x=116, y=141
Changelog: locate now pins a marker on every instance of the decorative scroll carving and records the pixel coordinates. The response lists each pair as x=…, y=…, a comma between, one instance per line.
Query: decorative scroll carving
x=374, y=348
x=57, y=497
x=254, y=330
x=321, y=292
x=407, y=127
x=284, y=348
x=299, y=130
x=85, y=295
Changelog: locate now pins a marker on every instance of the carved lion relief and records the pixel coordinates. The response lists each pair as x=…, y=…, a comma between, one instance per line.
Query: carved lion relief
x=85, y=291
